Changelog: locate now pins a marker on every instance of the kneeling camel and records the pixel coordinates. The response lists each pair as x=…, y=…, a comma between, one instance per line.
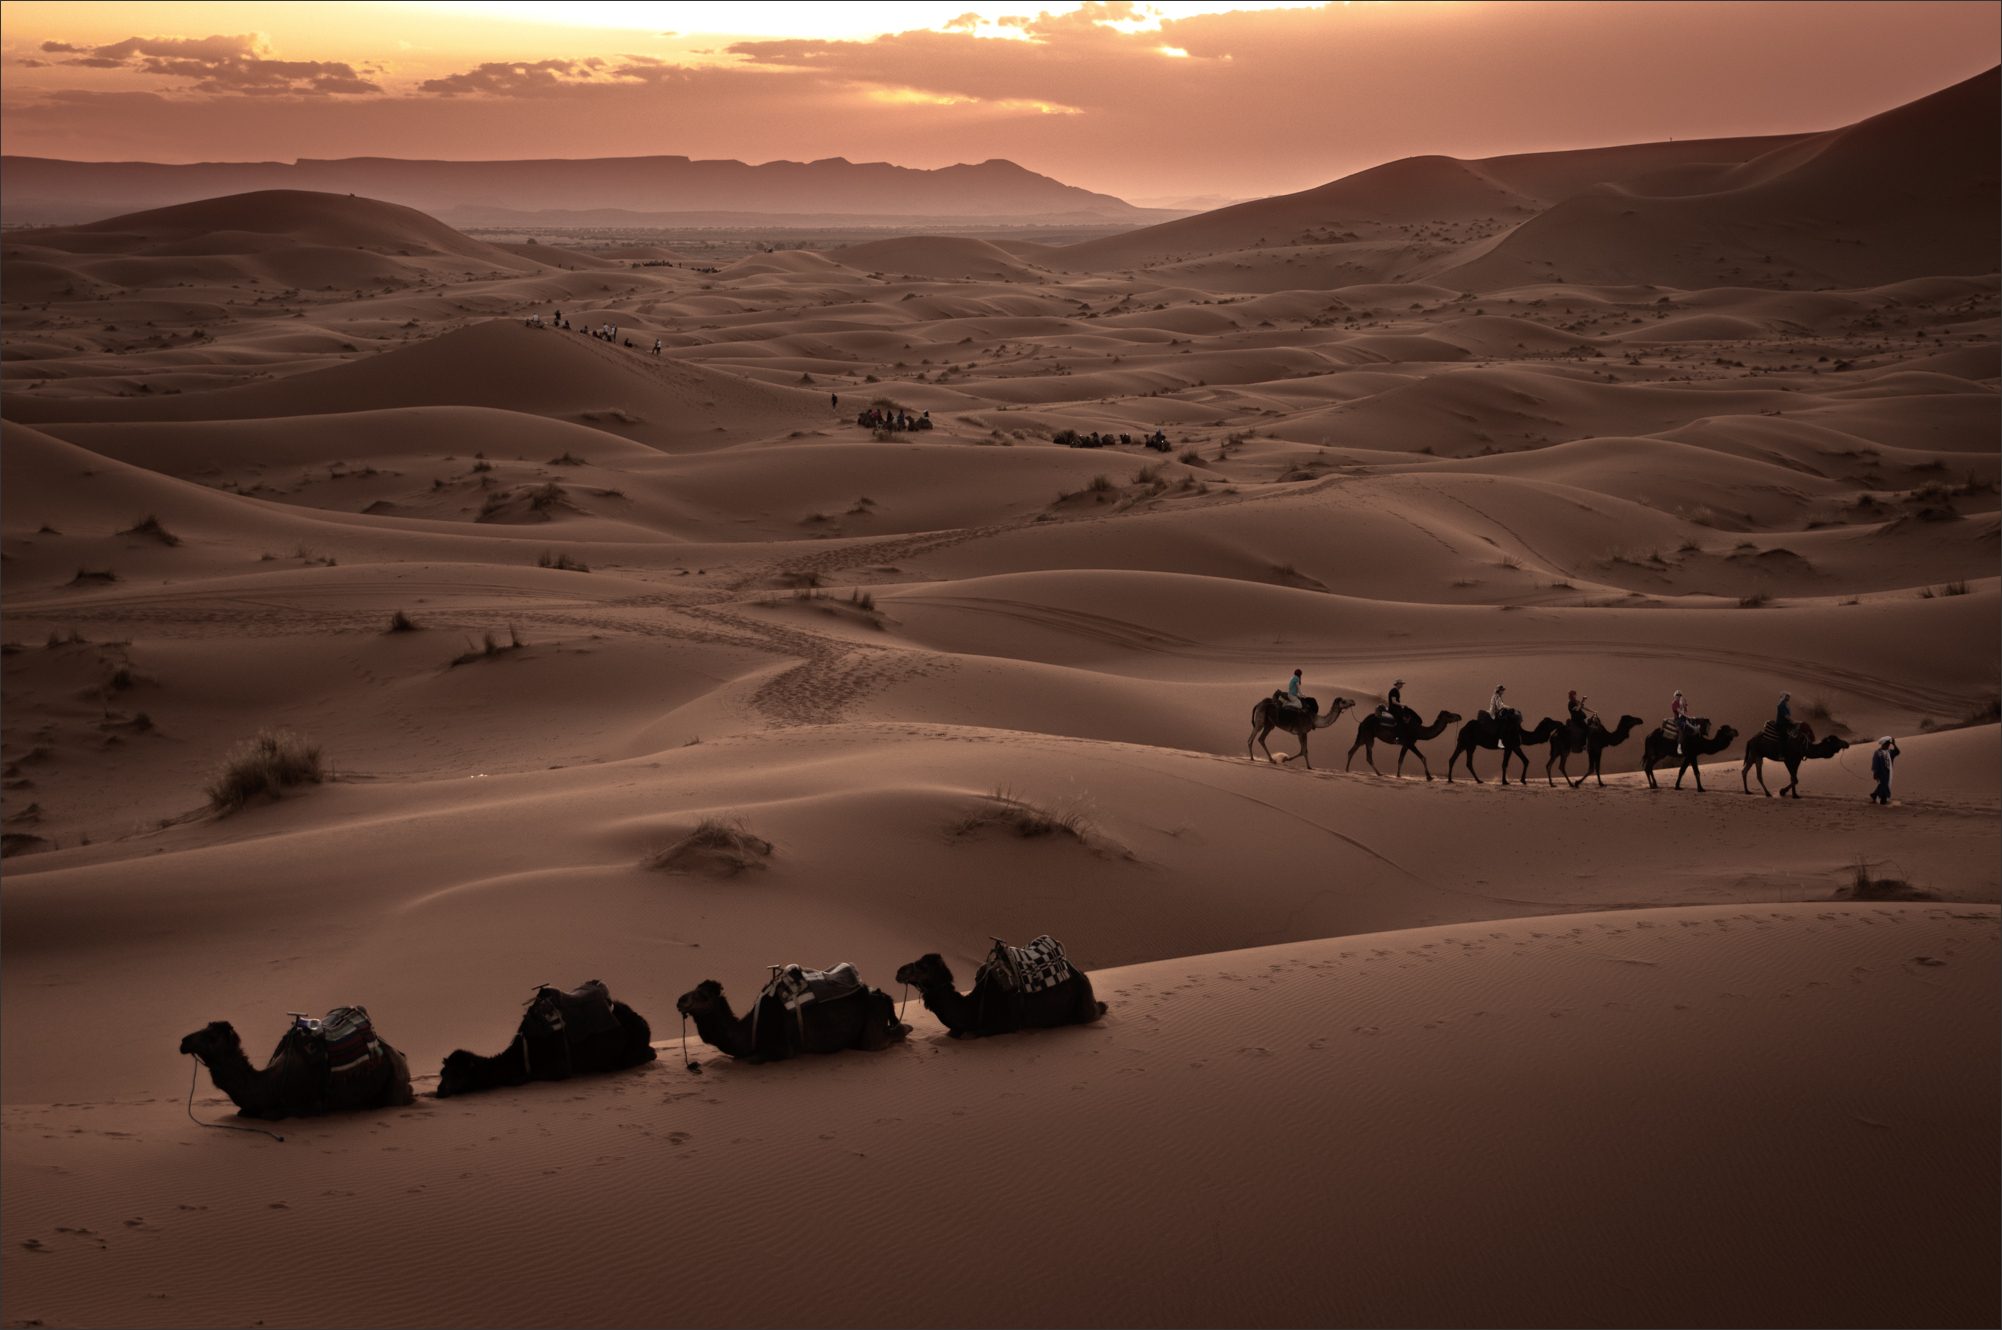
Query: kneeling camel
x=865, y=1019
x=295, y=1083
x=592, y=1034
x=993, y=1007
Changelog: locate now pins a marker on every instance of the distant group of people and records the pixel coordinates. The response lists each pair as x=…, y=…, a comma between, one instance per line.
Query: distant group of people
x=1070, y=438
x=896, y=420
x=1393, y=712
x=604, y=332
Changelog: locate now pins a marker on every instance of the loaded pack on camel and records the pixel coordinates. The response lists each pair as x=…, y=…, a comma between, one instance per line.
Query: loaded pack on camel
x=579, y=1033
x=319, y=1066
x=1016, y=988
x=799, y=1011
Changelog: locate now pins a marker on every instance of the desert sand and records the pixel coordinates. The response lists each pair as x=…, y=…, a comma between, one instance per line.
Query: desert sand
x=1381, y=1047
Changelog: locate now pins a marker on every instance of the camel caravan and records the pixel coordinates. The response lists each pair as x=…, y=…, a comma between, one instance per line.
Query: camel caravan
x=1681, y=738
x=340, y=1064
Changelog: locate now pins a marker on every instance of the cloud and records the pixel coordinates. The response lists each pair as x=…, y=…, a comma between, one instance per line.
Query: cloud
x=223, y=63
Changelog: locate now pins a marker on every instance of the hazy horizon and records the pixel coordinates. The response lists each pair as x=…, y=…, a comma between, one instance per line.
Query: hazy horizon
x=1088, y=94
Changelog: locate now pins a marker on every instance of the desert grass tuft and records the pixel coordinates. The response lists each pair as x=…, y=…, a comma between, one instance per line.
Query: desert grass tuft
x=266, y=764
x=1005, y=809
x=400, y=622
x=1863, y=887
x=718, y=847
x=1757, y=600
x=561, y=562
x=150, y=526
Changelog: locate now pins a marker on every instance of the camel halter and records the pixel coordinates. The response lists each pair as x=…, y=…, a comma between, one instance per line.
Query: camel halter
x=692, y=1066
x=195, y=1075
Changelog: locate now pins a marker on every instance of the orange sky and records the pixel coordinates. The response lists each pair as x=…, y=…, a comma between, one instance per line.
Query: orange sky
x=1138, y=101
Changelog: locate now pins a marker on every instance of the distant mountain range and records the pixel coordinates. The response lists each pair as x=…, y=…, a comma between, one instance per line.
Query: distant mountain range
x=637, y=191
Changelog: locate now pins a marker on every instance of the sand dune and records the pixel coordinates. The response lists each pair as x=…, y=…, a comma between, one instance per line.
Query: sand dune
x=548, y=602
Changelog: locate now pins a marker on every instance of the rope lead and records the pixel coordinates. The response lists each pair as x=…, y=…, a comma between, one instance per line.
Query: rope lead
x=194, y=1075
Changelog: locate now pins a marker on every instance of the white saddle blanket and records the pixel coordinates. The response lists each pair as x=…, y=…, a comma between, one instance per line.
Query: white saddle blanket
x=1029, y=969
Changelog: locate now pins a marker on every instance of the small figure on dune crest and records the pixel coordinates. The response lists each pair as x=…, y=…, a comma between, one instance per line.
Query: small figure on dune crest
x=1299, y=716
x=799, y=1011
x=583, y=1032
x=1018, y=988
x=1880, y=767
x=329, y=1066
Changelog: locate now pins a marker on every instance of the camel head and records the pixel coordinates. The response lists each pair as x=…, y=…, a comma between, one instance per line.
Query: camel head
x=213, y=1043
x=927, y=971
x=455, y=1076
x=700, y=1000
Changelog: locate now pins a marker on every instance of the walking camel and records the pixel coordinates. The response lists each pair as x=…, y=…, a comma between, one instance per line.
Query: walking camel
x=1270, y=714
x=1404, y=732
x=1660, y=745
x=1789, y=752
x=1484, y=732
x=1593, y=743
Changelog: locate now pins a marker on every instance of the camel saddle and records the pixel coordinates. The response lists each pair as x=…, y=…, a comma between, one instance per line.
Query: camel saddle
x=795, y=986
x=1029, y=969
x=1310, y=705
x=1801, y=734
x=577, y=1015
x=344, y=1044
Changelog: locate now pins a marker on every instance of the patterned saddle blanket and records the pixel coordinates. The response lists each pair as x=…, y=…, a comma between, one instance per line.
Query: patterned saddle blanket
x=1310, y=705
x=1040, y=965
x=795, y=986
x=1801, y=733
x=344, y=1043
x=577, y=1015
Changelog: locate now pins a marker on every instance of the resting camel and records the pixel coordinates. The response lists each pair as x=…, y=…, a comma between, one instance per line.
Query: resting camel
x=296, y=1084
x=993, y=1009
x=1405, y=733
x=539, y=1053
x=1596, y=740
x=866, y=1019
x=1659, y=747
x=1481, y=732
x=1270, y=714
x=1799, y=745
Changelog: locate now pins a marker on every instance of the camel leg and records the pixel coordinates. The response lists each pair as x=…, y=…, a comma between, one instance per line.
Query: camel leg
x=1427, y=766
x=1304, y=760
x=1757, y=767
x=1793, y=783
x=1368, y=755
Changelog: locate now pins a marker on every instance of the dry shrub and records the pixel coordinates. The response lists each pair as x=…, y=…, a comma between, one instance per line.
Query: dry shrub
x=1028, y=820
x=1756, y=600
x=400, y=622
x=561, y=562
x=1100, y=484
x=718, y=847
x=264, y=765
x=1863, y=887
x=568, y=459
x=150, y=526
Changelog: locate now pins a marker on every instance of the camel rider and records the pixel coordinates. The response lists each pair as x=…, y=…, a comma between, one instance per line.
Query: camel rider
x=1293, y=691
x=1679, y=711
x=1393, y=711
x=1498, y=708
x=1783, y=717
x=1581, y=715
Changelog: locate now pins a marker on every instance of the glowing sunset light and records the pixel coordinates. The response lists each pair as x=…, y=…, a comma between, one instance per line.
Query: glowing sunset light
x=1125, y=98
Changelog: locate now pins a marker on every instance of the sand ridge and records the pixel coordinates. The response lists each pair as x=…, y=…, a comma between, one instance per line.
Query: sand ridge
x=548, y=601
